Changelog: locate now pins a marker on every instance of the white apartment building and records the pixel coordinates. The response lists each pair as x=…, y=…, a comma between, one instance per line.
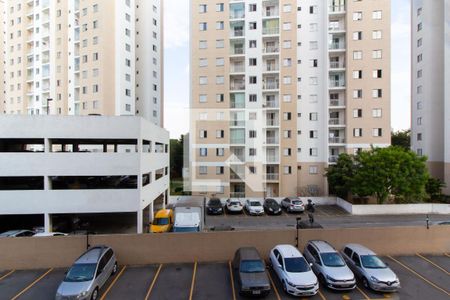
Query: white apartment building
x=280, y=88
x=56, y=167
x=430, y=121
x=80, y=57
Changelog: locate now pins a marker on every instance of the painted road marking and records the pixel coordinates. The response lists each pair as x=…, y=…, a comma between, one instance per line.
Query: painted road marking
x=113, y=283
x=434, y=264
x=346, y=297
x=274, y=287
x=322, y=296
x=420, y=276
x=193, y=281
x=232, y=280
x=153, y=282
x=364, y=294
x=7, y=274
x=31, y=285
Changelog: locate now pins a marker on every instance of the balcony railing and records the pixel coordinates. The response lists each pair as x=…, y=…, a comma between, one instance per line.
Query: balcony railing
x=337, y=8
x=336, y=121
x=237, y=15
x=237, y=176
x=271, y=104
x=272, y=122
x=333, y=158
x=234, y=104
x=238, y=158
x=337, y=83
x=271, y=140
x=272, y=176
x=334, y=103
x=238, y=141
x=237, y=123
x=271, y=49
x=271, y=30
x=271, y=67
x=237, y=85
x=274, y=12
x=237, y=68
x=272, y=159
x=237, y=51
x=237, y=33
x=336, y=140
x=271, y=85
x=337, y=46
x=337, y=65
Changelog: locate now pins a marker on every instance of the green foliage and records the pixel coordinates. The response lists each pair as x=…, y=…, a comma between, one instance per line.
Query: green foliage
x=434, y=188
x=401, y=139
x=176, y=158
x=380, y=172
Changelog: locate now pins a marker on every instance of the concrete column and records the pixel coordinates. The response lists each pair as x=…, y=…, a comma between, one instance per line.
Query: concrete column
x=48, y=223
x=151, y=212
x=164, y=200
x=46, y=145
x=139, y=222
x=47, y=183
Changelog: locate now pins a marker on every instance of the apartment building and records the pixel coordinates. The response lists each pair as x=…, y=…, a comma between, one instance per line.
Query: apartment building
x=280, y=88
x=430, y=49
x=81, y=57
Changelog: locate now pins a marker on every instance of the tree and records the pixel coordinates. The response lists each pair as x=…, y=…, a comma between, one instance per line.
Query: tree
x=381, y=172
x=176, y=158
x=402, y=139
x=434, y=188
x=340, y=175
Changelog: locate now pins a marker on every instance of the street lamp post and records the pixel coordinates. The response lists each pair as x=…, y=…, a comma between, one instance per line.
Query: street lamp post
x=297, y=227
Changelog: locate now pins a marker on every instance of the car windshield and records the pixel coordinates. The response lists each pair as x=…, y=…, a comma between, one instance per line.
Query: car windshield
x=234, y=203
x=296, y=265
x=372, y=262
x=255, y=203
x=252, y=266
x=80, y=273
x=214, y=202
x=161, y=221
x=332, y=259
x=296, y=202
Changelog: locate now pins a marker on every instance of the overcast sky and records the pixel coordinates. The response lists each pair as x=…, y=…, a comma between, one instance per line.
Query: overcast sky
x=176, y=59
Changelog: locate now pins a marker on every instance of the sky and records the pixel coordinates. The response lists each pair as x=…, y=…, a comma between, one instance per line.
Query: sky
x=176, y=64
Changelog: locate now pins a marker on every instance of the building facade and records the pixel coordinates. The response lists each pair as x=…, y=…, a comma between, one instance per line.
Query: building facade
x=430, y=121
x=54, y=169
x=280, y=88
x=83, y=57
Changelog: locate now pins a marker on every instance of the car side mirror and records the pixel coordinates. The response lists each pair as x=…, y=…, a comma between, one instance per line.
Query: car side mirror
x=310, y=264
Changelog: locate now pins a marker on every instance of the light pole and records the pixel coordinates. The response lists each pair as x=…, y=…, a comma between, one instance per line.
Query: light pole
x=48, y=105
x=297, y=227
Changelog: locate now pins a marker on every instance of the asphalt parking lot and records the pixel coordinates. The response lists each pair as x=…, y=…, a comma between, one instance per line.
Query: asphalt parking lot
x=421, y=277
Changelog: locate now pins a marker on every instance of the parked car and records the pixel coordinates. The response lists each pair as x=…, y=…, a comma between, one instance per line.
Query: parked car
x=17, y=233
x=293, y=271
x=214, y=207
x=250, y=272
x=163, y=221
x=188, y=219
x=368, y=267
x=293, y=204
x=44, y=234
x=254, y=207
x=234, y=206
x=88, y=274
x=329, y=266
x=271, y=207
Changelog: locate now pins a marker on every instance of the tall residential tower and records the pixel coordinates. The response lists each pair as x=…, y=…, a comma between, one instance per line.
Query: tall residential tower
x=280, y=88
x=430, y=122
x=80, y=57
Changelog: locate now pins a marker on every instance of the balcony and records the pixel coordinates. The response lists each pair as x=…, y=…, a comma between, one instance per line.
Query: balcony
x=336, y=9
x=336, y=122
x=336, y=84
x=337, y=46
x=271, y=30
x=274, y=67
x=337, y=103
x=238, y=85
x=237, y=14
x=272, y=177
x=237, y=123
x=271, y=104
x=272, y=159
x=237, y=104
x=333, y=159
x=337, y=65
x=271, y=12
x=336, y=140
x=271, y=85
x=336, y=27
x=237, y=33
x=272, y=122
x=237, y=141
x=237, y=50
x=272, y=140
x=271, y=49
x=237, y=68
x=237, y=176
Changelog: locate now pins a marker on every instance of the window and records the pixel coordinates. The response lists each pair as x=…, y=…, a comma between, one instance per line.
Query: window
x=220, y=97
x=220, y=151
x=202, y=44
x=419, y=58
x=287, y=8
x=313, y=134
x=313, y=152
x=203, y=98
x=287, y=44
x=376, y=112
x=357, y=16
x=287, y=116
x=376, y=34
x=357, y=55
x=419, y=121
x=203, y=26
x=357, y=35
x=377, y=93
x=203, y=170
x=252, y=25
x=202, y=8
x=287, y=80
x=357, y=74
x=419, y=11
x=220, y=134
x=220, y=44
x=313, y=63
x=377, y=73
x=377, y=132
x=313, y=170
x=357, y=132
x=419, y=42
x=252, y=79
x=287, y=26
x=220, y=25
x=313, y=9
x=220, y=170
x=203, y=116
x=419, y=136
x=252, y=134
x=287, y=151
x=357, y=94
x=252, y=152
x=203, y=80
x=357, y=113
x=203, y=134
x=287, y=170
x=313, y=45
x=203, y=152
x=377, y=15
x=252, y=61
x=219, y=7
x=252, y=98
x=252, y=7
x=287, y=134
x=220, y=80
x=377, y=54
x=313, y=116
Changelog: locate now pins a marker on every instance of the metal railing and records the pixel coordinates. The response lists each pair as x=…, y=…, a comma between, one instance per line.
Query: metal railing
x=237, y=51
x=238, y=141
x=237, y=14
x=336, y=103
x=337, y=8
x=237, y=33
x=336, y=140
x=237, y=68
x=272, y=122
x=271, y=49
x=271, y=104
x=337, y=65
x=272, y=176
x=337, y=46
x=271, y=30
x=271, y=85
x=271, y=140
x=234, y=104
x=237, y=85
x=336, y=121
x=333, y=158
x=337, y=83
x=271, y=67
x=271, y=12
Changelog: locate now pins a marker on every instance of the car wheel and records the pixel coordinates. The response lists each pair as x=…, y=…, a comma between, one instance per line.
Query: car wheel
x=114, y=270
x=94, y=295
x=366, y=283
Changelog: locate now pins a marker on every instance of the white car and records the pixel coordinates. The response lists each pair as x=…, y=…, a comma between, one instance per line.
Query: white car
x=294, y=272
x=254, y=207
x=43, y=234
x=234, y=206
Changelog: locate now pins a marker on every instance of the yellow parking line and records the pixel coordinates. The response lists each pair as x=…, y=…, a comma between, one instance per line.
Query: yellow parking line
x=321, y=295
x=364, y=294
x=274, y=287
x=434, y=264
x=112, y=283
x=193, y=281
x=446, y=254
x=232, y=280
x=7, y=274
x=420, y=276
x=153, y=283
x=31, y=285
x=346, y=297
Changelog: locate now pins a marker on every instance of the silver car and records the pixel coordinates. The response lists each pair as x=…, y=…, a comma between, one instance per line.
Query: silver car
x=293, y=204
x=329, y=266
x=88, y=274
x=367, y=266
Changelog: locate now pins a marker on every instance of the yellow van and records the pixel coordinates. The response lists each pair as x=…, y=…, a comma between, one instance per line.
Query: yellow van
x=162, y=222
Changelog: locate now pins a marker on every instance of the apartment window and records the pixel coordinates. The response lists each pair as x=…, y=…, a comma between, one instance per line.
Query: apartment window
x=287, y=170
x=220, y=171
x=377, y=132
x=313, y=9
x=203, y=26
x=419, y=11
x=95, y=88
x=357, y=113
x=252, y=61
x=419, y=26
x=313, y=63
x=377, y=15
x=287, y=116
x=419, y=58
x=203, y=62
x=286, y=98
x=419, y=42
x=127, y=47
x=357, y=74
x=419, y=105
x=357, y=16
x=220, y=151
x=419, y=89
x=313, y=170
x=287, y=80
x=127, y=107
x=203, y=44
x=357, y=132
x=419, y=73
x=220, y=97
x=128, y=92
x=287, y=134
x=377, y=93
x=252, y=79
x=95, y=24
x=357, y=35
x=203, y=134
x=252, y=7
x=287, y=26
x=95, y=56
x=220, y=25
x=419, y=136
x=203, y=80
x=252, y=134
x=313, y=45
x=203, y=98
x=419, y=121
x=252, y=44
x=313, y=152
x=313, y=134
x=203, y=152
x=252, y=98
x=313, y=27
x=376, y=112
x=220, y=44
x=95, y=8
x=287, y=8
x=357, y=55
x=202, y=8
x=313, y=81
x=377, y=73
x=203, y=116
x=287, y=152
x=313, y=116
x=220, y=116
x=252, y=152
x=376, y=34
x=252, y=25
x=219, y=7
x=252, y=169
x=203, y=170
x=377, y=54
x=287, y=44
x=220, y=134
x=357, y=94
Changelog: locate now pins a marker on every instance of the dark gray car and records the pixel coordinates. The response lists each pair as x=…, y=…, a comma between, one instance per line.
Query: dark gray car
x=250, y=271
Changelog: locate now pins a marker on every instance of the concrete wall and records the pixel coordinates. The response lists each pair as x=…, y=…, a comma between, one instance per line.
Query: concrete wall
x=32, y=253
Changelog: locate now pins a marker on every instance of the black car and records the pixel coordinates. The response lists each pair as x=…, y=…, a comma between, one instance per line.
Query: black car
x=271, y=207
x=214, y=207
